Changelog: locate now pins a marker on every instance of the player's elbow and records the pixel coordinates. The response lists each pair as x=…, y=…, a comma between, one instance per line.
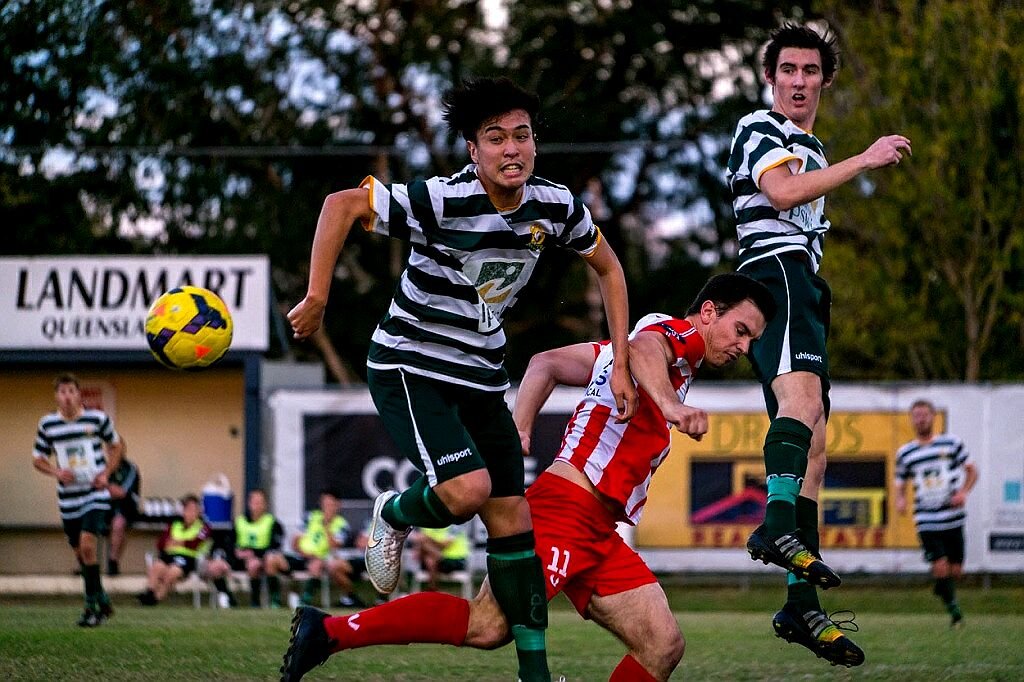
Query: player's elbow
x=781, y=201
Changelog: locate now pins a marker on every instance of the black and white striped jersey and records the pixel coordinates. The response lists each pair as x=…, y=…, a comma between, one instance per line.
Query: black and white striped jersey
x=77, y=445
x=937, y=470
x=468, y=263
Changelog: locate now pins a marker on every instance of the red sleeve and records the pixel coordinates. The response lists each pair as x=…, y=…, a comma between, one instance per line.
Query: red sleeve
x=161, y=543
x=686, y=343
x=198, y=540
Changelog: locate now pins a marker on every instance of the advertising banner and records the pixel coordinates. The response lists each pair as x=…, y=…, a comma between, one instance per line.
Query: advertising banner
x=707, y=496
x=86, y=303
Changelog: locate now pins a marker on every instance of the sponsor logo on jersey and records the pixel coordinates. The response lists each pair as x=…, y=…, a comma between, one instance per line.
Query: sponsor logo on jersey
x=807, y=356
x=454, y=457
x=494, y=283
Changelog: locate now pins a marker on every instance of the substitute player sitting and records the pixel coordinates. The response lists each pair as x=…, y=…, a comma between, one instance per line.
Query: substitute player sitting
x=183, y=544
x=600, y=477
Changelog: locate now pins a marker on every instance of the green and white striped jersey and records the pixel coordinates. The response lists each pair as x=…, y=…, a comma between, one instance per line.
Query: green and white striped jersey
x=77, y=445
x=468, y=263
x=764, y=140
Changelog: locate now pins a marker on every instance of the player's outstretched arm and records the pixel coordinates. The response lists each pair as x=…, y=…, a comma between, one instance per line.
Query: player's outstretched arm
x=568, y=366
x=786, y=190
x=616, y=309
x=339, y=212
x=650, y=359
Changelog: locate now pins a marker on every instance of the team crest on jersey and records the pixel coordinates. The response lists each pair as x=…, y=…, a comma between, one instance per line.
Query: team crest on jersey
x=494, y=283
x=537, y=235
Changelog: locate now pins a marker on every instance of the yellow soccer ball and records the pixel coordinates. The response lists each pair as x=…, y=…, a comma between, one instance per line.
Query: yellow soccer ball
x=188, y=328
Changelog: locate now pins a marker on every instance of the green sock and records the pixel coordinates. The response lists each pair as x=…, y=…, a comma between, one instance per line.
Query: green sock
x=517, y=580
x=785, y=460
x=945, y=588
x=419, y=506
x=93, y=584
x=801, y=594
x=807, y=524
x=311, y=590
x=274, y=588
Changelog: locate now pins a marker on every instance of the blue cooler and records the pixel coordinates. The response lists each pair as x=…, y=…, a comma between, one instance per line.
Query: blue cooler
x=217, y=500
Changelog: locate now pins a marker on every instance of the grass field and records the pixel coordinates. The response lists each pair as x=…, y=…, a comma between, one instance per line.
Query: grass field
x=904, y=633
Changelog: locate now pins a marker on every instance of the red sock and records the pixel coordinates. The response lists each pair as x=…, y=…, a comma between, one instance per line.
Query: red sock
x=630, y=670
x=424, y=617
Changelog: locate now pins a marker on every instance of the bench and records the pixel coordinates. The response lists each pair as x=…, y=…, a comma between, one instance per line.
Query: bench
x=197, y=583
x=464, y=579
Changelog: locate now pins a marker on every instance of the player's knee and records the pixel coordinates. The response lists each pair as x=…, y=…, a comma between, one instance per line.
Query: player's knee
x=463, y=496
x=674, y=649
x=662, y=650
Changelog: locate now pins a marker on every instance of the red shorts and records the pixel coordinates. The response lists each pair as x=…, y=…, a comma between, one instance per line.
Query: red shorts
x=577, y=543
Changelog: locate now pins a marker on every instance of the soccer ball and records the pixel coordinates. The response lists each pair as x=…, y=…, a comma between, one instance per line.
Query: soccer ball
x=188, y=328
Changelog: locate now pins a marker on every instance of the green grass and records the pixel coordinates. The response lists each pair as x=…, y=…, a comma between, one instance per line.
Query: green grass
x=904, y=632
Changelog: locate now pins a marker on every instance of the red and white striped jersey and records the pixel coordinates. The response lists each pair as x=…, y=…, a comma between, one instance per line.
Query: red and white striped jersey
x=619, y=459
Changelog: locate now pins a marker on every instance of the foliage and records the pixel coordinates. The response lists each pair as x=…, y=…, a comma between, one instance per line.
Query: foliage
x=926, y=257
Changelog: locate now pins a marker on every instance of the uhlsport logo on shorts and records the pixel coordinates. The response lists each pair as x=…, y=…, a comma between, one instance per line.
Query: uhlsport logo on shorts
x=807, y=356
x=454, y=457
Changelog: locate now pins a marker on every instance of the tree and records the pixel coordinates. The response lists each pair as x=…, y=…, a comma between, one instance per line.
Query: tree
x=926, y=260
x=222, y=124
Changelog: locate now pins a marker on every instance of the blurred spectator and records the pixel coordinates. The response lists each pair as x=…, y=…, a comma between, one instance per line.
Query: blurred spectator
x=183, y=545
x=124, y=484
x=441, y=550
x=258, y=535
x=315, y=550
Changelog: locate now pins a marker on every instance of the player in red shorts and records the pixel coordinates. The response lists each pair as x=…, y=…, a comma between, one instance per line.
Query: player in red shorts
x=599, y=477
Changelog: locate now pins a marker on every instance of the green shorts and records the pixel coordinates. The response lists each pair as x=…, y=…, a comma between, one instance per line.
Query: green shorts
x=794, y=340
x=93, y=521
x=447, y=430
x=938, y=544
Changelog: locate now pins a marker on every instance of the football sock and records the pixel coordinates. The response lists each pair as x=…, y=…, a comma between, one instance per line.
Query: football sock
x=945, y=588
x=517, y=580
x=785, y=461
x=807, y=523
x=800, y=592
x=255, y=588
x=274, y=588
x=630, y=670
x=424, y=617
x=419, y=506
x=310, y=590
x=221, y=585
x=93, y=586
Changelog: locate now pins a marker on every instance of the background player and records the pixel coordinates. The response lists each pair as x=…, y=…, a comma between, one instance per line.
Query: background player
x=84, y=447
x=125, y=486
x=942, y=475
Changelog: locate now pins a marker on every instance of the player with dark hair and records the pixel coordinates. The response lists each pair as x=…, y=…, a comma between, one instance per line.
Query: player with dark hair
x=183, y=544
x=436, y=362
x=599, y=477
x=939, y=468
x=85, y=449
x=778, y=176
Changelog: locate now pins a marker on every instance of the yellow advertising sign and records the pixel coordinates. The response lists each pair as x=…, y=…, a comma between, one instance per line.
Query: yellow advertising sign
x=711, y=493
